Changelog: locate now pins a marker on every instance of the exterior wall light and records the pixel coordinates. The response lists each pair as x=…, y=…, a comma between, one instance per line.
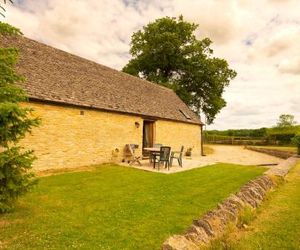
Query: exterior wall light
x=137, y=124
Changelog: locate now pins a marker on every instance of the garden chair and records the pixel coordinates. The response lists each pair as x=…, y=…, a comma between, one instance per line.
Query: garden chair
x=130, y=149
x=177, y=155
x=162, y=157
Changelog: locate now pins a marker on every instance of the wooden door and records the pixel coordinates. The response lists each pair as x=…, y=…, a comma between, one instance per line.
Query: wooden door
x=148, y=134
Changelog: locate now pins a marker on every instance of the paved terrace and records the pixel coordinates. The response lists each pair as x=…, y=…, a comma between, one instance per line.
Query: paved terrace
x=224, y=154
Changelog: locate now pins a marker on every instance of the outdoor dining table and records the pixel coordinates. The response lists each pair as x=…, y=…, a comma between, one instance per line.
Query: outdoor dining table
x=152, y=149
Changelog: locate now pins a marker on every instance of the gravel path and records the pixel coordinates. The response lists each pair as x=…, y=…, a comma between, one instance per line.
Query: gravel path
x=239, y=155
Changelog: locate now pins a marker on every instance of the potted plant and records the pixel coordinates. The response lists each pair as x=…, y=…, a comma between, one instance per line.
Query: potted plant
x=296, y=141
x=188, y=152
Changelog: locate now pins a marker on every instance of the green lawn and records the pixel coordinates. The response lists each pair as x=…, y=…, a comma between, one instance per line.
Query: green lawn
x=277, y=225
x=116, y=207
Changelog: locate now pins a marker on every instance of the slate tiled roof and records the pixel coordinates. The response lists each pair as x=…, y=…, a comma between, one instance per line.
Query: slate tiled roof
x=57, y=76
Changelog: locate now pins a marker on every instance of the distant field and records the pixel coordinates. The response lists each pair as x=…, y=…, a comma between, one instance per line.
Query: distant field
x=264, y=136
x=280, y=148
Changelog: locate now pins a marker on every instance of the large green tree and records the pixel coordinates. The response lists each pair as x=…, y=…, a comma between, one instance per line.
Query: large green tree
x=286, y=120
x=15, y=122
x=167, y=52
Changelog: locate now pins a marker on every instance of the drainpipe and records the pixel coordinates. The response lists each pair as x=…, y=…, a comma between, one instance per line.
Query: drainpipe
x=202, y=138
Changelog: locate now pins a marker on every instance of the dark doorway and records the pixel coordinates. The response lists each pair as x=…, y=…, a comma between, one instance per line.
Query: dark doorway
x=148, y=135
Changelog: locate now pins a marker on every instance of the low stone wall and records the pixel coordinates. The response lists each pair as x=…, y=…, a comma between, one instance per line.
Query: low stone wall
x=213, y=224
x=283, y=168
x=273, y=152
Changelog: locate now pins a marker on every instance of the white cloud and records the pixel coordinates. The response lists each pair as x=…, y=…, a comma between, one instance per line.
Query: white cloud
x=291, y=66
x=97, y=30
x=217, y=19
x=259, y=38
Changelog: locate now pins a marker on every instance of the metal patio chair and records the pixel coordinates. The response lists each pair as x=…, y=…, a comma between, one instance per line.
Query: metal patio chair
x=162, y=157
x=151, y=156
x=177, y=155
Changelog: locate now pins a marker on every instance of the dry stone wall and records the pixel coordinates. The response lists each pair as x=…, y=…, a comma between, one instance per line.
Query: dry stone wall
x=273, y=152
x=214, y=223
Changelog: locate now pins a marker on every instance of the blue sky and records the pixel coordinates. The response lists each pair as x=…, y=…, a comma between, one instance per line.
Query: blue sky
x=259, y=39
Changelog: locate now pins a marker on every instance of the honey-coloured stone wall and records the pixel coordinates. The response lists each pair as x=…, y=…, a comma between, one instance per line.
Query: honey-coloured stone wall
x=177, y=134
x=67, y=138
x=70, y=136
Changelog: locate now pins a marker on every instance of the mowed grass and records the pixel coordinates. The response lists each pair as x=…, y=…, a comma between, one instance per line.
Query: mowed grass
x=117, y=207
x=277, y=223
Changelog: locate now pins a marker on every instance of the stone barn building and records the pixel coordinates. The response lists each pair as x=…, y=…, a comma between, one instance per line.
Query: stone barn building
x=90, y=112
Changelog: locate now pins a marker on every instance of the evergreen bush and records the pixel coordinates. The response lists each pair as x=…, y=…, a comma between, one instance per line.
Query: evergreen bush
x=296, y=141
x=15, y=121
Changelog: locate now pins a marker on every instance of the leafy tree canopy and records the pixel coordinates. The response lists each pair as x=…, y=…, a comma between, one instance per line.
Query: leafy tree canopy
x=286, y=120
x=167, y=52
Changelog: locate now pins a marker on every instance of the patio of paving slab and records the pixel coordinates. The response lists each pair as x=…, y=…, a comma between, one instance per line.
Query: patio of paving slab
x=224, y=154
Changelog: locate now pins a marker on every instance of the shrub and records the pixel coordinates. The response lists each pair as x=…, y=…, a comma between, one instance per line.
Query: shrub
x=296, y=141
x=14, y=178
x=283, y=135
